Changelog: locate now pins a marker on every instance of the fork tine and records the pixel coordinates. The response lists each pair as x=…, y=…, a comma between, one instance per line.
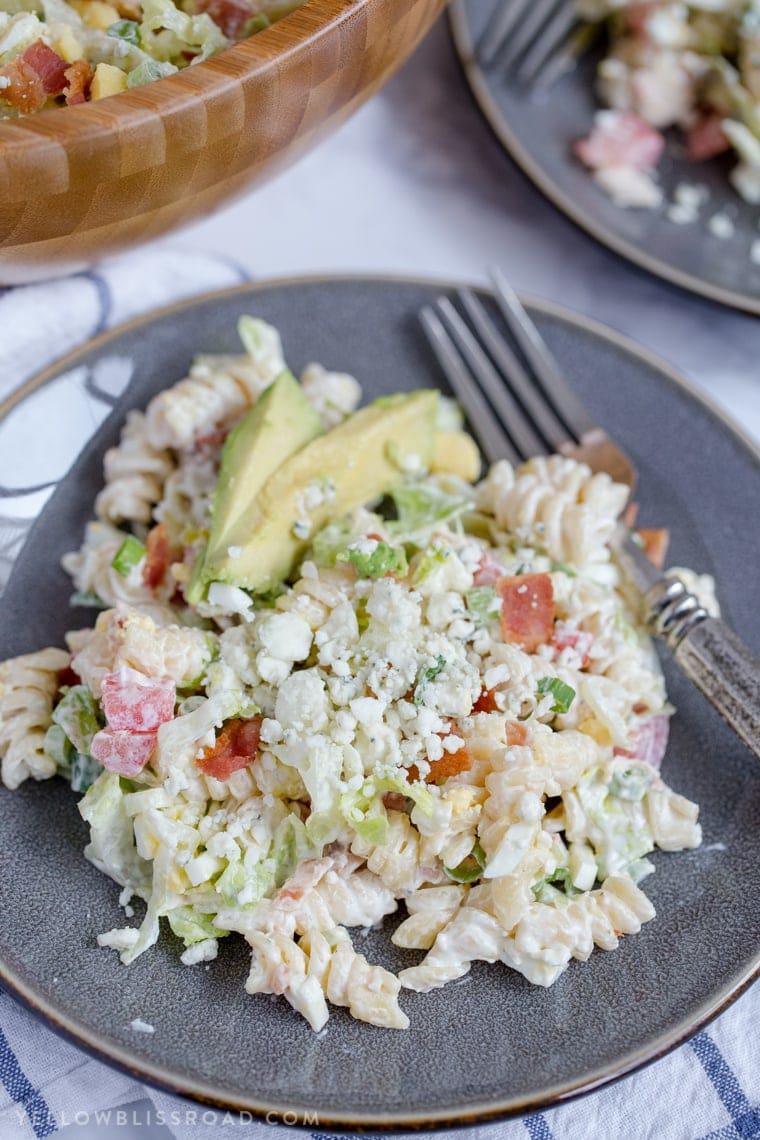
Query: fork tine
x=548, y=424
x=575, y=44
x=531, y=30
x=556, y=390
x=503, y=20
x=548, y=42
x=513, y=420
x=494, y=443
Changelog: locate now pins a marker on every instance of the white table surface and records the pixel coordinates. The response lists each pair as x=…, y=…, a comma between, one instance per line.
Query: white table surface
x=416, y=184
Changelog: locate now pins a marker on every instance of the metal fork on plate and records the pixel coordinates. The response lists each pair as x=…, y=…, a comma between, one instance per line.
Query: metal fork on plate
x=520, y=405
x=540, y=39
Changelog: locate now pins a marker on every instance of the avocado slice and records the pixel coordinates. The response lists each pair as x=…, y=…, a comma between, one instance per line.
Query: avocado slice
x=280, y=423
x=360, y=460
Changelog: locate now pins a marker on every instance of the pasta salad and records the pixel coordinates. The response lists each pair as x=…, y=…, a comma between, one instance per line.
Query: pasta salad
x=448, y=702
x=65, y=52
x=690, y=66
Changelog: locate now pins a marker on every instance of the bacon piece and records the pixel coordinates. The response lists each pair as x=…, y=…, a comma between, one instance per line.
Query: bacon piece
x=488, y=570
x=68, y=677
x=527, y=610
x=78, y=78
x=122, y=751
x=50, y=66
x=26, y=91
x=706, y=138
x=229, y=15
x=394, y=801
x=158, y=557
x=236, y=745
x=37, y=73
x=655, y=541
x=516, y=733
x=214, y=438
x=137, y=703
x=621, y=138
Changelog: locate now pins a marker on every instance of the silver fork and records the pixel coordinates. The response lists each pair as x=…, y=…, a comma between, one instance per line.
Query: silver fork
x=545, y=36
x=520, y=406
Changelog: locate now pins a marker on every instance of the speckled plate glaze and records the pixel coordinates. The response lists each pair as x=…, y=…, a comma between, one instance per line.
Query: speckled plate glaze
x=538, y=132
x=491, y=1045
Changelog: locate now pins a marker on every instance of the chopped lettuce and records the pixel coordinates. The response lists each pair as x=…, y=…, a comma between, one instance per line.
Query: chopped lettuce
x=77, y=713
x=112, y=846
x=420, y=508
x=192, y=926
x=470, y=868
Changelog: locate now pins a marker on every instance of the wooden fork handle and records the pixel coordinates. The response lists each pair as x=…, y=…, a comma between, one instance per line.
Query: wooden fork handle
x=728, y=674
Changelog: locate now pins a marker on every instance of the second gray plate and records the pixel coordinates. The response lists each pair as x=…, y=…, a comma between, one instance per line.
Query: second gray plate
x=538, y=132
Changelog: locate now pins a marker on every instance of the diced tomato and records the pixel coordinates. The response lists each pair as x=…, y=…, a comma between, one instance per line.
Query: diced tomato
x=527, y=610
x=578, y=639
x=230, y=15
x=486, y=702
x=78, y=79
x=516, y=733
x=621, y=138
x=650, y=741
x=122, y=751
x=135, y=702
x=158, y=557
x=450, y=764
x=488, y=570
x=236, y=745
x=655, y=541
x=706, y=138
x=25, y=90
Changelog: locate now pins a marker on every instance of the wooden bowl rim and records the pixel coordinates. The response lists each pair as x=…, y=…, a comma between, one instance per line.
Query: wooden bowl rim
x=295, y=33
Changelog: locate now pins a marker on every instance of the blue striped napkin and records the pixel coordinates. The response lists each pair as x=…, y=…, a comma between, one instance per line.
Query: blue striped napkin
x=708, y=1088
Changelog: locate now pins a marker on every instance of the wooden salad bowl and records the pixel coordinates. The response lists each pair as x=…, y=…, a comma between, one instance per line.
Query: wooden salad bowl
x=78, y=183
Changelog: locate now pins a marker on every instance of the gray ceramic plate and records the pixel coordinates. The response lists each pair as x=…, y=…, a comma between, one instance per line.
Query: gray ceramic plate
x=538, y=132
x=490, y=1046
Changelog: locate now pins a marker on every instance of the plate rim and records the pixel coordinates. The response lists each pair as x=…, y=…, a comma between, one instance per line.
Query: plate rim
x=480, y=90
x=356, y=1122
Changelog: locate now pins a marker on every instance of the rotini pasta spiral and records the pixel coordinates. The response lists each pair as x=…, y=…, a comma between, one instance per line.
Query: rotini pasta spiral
x=28, y=686
x=135, y=472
